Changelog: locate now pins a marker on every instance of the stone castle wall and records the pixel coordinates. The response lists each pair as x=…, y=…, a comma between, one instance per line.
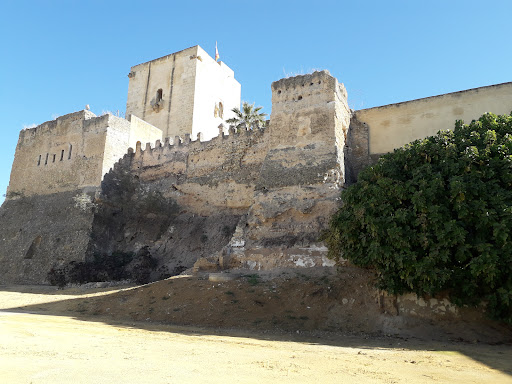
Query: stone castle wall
x=392, y=126
x=181, y=198
x=204, y=176
x=40, y=232
x=298, y=186
x=60, y=155
x=72, y=152
x=249, y=199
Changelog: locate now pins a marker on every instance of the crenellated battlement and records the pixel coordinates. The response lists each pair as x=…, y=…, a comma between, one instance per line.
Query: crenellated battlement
x=305, y=89
x=179, y=143
x=57, y=126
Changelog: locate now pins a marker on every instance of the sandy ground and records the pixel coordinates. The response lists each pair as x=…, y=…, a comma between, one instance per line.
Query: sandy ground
x=38, y=346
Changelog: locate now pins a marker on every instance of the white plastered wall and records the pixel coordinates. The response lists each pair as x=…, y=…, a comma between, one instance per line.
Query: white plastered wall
x=215, y=83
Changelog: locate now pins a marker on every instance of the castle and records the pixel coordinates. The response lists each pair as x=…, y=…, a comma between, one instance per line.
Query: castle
x=196, y=193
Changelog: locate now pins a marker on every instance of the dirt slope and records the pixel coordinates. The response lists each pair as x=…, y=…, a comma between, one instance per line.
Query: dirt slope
x=287, y=300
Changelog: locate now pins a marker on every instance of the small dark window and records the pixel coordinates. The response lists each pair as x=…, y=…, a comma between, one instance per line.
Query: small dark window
x=39, y=161
x=54, y=158
x=70, y=149
x=46, y=160
x=62, y=155
x=159, y=95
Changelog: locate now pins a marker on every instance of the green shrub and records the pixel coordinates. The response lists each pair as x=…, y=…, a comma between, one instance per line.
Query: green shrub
x=436, y=216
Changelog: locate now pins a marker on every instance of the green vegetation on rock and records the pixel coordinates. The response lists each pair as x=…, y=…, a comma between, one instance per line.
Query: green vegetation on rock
x=436, y=217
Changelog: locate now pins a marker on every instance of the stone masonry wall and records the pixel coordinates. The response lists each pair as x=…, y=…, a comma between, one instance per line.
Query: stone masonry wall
x=60, y=155
x=357, y=154
x=204, y=176
x=40, y=232
x=185, y=92
x=392, y=126
x=298, y=187
x=175, y=76
x=72, y=152
x=280, y=185
x=181, y=199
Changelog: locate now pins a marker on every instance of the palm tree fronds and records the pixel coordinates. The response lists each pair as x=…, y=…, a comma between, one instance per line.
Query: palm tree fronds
x=248, y=117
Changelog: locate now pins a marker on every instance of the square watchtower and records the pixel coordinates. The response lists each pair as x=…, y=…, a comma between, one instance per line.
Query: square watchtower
x=184, y=92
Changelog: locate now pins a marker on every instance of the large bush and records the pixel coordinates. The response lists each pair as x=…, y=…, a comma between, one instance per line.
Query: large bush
x=436, y=216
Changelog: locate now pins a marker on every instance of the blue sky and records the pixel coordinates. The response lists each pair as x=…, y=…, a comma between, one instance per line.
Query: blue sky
x=58, y=56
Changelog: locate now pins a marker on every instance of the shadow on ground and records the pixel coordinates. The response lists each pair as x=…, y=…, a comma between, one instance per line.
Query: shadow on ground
x=292, y=308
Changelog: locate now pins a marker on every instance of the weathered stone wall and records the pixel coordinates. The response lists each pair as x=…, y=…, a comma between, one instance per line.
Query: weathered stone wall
x=298, y=187
x=357, y=154
x=250, y=199
x=60, y=155
x=181, y=200
x=278, y=186
x=179, y=93
x=392, y=126
x=204, y=176
x=41, y=232
x=175, y=75
x=72, y=152
x=58, y=167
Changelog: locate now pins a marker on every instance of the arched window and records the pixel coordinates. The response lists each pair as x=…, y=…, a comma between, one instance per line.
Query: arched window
x=159, y=95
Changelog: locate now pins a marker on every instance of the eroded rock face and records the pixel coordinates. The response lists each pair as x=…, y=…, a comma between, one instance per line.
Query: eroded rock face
x=135, y=213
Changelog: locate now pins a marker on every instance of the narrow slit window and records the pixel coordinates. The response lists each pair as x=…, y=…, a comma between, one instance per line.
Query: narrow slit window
x=70, y=149
x=54, y=158
x=46, y=160
x=39, y=161
x=221, y=110
x=61, y=155
x=159, y=95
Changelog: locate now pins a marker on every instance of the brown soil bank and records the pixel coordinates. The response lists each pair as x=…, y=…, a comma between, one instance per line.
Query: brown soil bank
x=288, y=327
x=304, y=300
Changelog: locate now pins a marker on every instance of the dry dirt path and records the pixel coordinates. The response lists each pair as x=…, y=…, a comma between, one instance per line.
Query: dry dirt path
x=44, y=348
